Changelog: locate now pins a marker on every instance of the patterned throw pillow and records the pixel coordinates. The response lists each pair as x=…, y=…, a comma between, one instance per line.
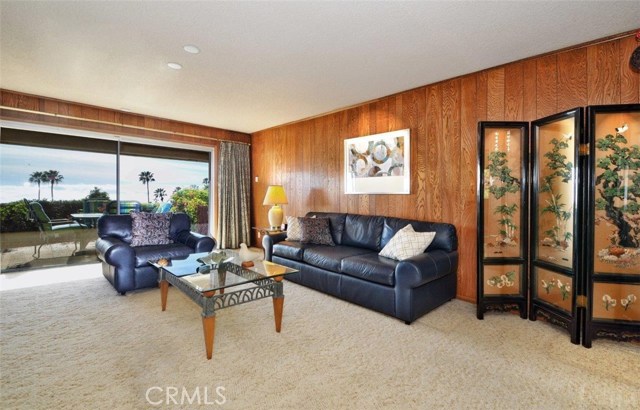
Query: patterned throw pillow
x=407, y=243
x=294, y=230
x=317, y=231
x=150, y=229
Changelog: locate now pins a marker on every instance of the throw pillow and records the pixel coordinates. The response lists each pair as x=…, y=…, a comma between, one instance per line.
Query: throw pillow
x=407, y=243
x=150, y=229
x=317, y=231
x=294, y=230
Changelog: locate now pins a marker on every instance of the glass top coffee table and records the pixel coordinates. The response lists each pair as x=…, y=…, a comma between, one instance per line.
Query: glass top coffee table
x=225, y=285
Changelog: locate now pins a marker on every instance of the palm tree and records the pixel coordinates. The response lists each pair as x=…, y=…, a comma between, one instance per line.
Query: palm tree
x=159, y=193
x=54, y=177
x=36, y=178
x=146, y=177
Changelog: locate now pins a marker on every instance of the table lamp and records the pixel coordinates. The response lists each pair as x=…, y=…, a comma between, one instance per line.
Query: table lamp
x=275, y=196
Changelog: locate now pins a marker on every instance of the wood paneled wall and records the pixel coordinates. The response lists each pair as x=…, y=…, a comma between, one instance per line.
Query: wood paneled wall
x=307, y=157
x=42, y=110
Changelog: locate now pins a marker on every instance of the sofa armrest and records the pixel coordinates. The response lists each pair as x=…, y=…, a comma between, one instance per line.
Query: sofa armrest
x=196, y=241
x=269, y=240
x=116, y=252
x=426, y=267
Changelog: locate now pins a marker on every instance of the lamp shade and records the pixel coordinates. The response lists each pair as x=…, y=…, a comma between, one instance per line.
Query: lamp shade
x=275, y=196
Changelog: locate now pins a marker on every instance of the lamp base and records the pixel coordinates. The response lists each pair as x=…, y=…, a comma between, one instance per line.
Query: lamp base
x=275, y=217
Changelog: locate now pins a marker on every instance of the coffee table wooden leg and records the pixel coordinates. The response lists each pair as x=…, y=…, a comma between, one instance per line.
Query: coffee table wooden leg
x=278, y=304
x=164, y=290
x=209, y=326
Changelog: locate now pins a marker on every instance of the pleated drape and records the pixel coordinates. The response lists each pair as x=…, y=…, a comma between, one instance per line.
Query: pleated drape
x=234, y=184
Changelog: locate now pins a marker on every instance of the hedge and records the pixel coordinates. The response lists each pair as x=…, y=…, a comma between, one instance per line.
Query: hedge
x=14, y=216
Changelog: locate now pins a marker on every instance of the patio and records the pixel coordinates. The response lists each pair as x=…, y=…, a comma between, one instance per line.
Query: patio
x=19, y=251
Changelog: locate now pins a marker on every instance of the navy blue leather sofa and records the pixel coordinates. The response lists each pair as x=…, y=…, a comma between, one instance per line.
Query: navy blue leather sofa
x=127, y=267
x=352, y=270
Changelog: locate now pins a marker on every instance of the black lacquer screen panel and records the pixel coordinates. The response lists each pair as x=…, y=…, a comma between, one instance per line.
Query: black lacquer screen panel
x=612, y=254
x=502, y=217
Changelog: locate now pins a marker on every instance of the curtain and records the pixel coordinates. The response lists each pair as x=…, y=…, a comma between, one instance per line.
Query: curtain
x=234, y=184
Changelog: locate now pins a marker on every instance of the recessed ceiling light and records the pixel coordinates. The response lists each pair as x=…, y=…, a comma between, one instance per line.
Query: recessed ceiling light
x=190, y=48
x=175, y=66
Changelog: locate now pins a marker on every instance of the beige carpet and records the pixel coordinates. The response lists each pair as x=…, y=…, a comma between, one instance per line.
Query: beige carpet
x=79, y=345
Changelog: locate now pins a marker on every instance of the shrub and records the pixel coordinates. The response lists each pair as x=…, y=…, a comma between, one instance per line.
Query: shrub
x=188, y=200
x=97, y=193
x=14, y=217
x=61, y=209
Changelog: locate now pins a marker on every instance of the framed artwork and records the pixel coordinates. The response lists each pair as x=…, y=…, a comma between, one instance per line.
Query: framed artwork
x=556, y=226
x=378, y=164
x=503, y=160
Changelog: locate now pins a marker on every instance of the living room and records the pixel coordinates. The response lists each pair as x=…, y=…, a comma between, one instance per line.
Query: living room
x=80, y=344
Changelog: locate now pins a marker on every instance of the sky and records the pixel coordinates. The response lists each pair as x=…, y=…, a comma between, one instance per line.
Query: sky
x=84, y=170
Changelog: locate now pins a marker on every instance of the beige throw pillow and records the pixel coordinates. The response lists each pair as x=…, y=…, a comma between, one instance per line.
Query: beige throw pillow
x=294, y=230
x=407, y=243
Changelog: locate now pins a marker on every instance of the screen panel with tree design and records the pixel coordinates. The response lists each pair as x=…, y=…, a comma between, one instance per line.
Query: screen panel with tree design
x=616, y=192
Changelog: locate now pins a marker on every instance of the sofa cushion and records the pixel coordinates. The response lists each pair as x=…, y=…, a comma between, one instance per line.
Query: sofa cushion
x=363, y=231
x=290, y=250
x=330, y=257
x=150, y=229
x=144, y=254
x=407, y=243
x=370, y=267
x=336, y=220
x=316, y=231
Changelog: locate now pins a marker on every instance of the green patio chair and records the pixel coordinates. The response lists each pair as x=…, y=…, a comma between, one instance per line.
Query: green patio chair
x=54, y=230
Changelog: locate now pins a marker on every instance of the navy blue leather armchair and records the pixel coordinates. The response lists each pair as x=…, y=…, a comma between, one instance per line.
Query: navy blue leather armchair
x=126, y=267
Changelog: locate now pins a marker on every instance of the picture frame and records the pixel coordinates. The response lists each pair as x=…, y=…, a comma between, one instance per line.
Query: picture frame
x=378, y=164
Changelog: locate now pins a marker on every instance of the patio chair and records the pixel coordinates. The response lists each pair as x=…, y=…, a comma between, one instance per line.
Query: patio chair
x=54, y=230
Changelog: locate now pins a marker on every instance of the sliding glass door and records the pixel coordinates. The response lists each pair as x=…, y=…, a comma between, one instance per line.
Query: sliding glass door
x=54, y=187
x=164, y=179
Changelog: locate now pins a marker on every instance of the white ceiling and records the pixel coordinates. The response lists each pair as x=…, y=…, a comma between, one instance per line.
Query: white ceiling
x=267, y=63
